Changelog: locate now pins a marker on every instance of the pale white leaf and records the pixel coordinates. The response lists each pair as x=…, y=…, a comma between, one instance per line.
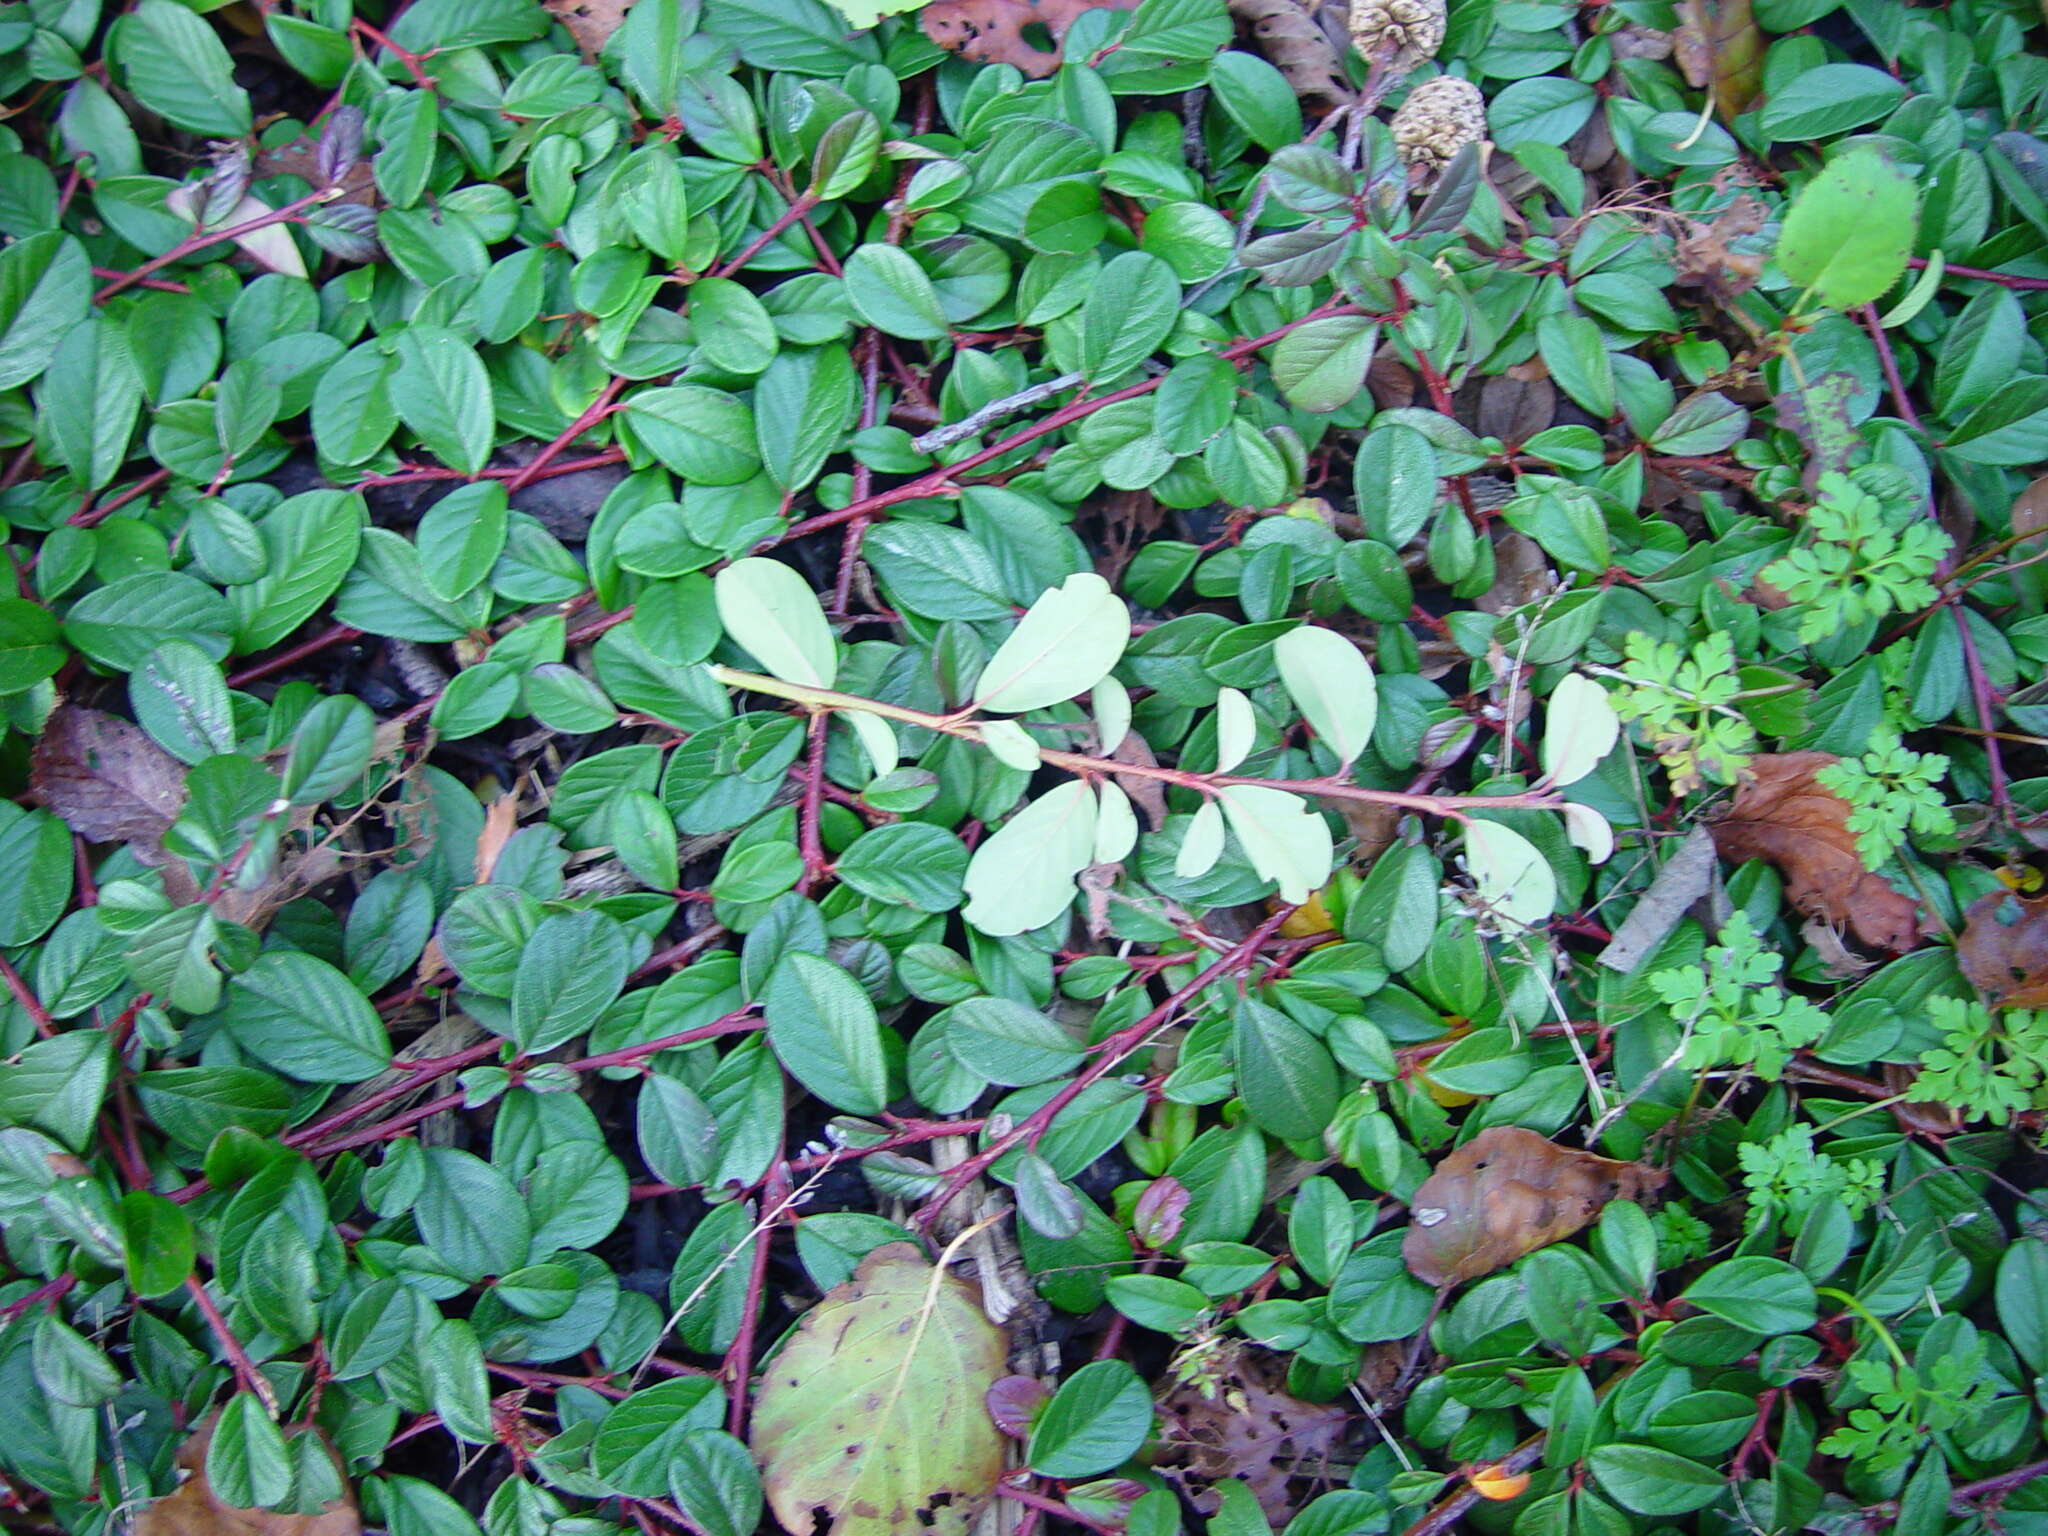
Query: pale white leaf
x=273, y=244
x=1116, y=825
x=1580, y=728
x=1514, y=880
x=1063, y=646
x=1203, y=844
x=1012, y=745
x=771, y=611
x=1284, y=837
x=876, y=739
x=1022, y=875
x=1235, y=728
x=1111, y=701
x=1589, y=830
x=1332, y=684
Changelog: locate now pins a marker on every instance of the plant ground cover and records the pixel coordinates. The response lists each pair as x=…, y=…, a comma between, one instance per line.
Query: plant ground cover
x=1027, y=767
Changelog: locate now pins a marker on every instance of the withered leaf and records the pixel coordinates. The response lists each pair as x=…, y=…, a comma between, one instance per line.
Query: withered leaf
x=1718, y=46
x=873, y=1419
x=1783, y=814
x=104, y=778
x=1287, y=34
x=1704, y=254
x=1239, y=1422
x=1507, y=1192
x=193, y=1510
x=590, y=22
x=2003, y=949
x=994, y=31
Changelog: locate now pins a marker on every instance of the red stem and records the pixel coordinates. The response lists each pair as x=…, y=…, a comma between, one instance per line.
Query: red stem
x=1107, y=1055
x=593, y=413
x=291, y=656
x=31, y=1005
x=238, y=1357
x=2003, y=279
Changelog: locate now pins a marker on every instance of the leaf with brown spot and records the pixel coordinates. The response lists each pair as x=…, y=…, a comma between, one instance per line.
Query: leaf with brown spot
x=874, y=1416
x=1717, y=45
x=1508, y=1192
x=193, y=1510
x=1001, y=31
x=1783, y=814
x=2003, y=949
x=104, y=778
x=1238, y=1421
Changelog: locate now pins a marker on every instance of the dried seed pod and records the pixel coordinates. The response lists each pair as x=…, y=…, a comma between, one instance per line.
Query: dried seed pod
x=1398, y=33
x=1439, y=118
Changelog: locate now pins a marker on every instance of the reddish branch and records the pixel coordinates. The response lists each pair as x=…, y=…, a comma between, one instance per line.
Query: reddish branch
x=1107, y=1055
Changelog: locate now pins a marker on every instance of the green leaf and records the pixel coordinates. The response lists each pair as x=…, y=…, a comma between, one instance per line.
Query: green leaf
x=158, y=1242
x=247, y=1465
x=309, y=541
x=441, y=391
x=300, y=1015
x=1653, y=1482
x=715, y=1484
x=824, y=1032
x=891, y=292
x=1284, y=1074
x=1830, y=99
x=181, y=699
x=90, y=398
x=1127, y=314
x=179, y=68
x=471, y=1216
x=1005, y=1042
x=1762, y=1295
x=45, y=290
x=1849, y=231
x=1320, y=366
x=734, y=333
x=1094, y=1423
x=570, y=970
x=330, y=751
x=770, y=610
x=908, y=863
x=639, y=1439
x=461, y=537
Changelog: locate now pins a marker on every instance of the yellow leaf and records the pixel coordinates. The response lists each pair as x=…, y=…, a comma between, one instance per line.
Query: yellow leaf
x=873, y=1415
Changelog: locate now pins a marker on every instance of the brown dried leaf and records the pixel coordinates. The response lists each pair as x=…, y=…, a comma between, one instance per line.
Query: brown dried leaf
x=193, y=1510
x=993, y=31
x=1717, y=44
x=2003, y=949
x=501, y=820
x=105, y=779
x=1236, y=1421
x=590, y=22
x=1704, y=257
x=1296, y=46
x=1784, y=815
x=1505, y=1193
